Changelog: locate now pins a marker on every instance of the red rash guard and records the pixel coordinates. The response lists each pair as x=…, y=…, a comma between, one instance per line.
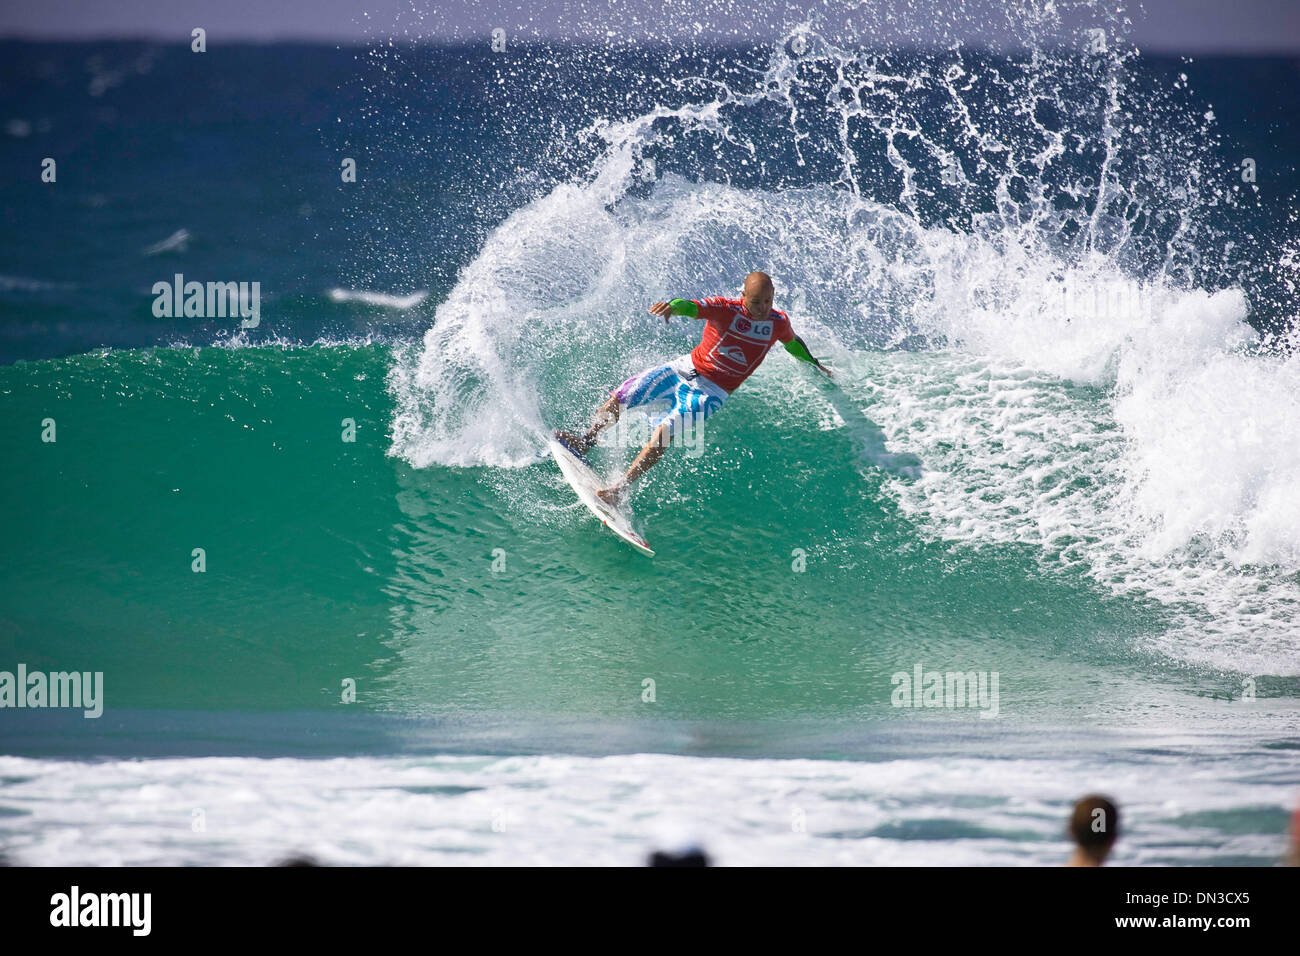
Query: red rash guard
x=733, y=344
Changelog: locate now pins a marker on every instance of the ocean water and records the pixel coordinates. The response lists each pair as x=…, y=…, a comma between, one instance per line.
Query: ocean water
x=1060, y=450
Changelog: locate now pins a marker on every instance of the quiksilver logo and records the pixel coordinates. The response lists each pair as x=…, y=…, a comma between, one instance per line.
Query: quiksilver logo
x=102, y=909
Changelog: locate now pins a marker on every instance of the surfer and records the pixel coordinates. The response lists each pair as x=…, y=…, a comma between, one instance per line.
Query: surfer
x=736, y=338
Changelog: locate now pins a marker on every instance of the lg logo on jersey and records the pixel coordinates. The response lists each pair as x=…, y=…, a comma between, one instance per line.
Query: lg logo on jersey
x=753, y=330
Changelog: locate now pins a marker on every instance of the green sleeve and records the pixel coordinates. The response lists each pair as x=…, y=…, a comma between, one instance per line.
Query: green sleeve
x=799, y=351
x=685, y=307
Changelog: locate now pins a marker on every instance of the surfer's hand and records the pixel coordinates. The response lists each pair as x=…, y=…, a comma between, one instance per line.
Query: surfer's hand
x=825, y=371
x=662, y=308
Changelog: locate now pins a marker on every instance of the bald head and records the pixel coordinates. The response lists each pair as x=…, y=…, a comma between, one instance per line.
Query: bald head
x=758, y=295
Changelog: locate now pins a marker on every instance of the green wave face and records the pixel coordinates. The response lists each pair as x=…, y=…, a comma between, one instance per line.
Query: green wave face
x=789, y=580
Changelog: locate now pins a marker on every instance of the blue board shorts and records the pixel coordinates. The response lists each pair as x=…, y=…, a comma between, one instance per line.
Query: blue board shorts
x=690, y=397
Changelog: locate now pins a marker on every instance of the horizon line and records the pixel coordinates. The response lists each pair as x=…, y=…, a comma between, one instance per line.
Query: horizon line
x=353, y=41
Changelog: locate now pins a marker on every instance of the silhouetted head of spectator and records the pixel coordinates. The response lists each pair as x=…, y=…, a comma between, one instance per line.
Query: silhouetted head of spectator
x=687, y=856
x=300, y=860
x=1094, y=825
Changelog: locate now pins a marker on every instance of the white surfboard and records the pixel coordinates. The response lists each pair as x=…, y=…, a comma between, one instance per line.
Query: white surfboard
x=585, y=482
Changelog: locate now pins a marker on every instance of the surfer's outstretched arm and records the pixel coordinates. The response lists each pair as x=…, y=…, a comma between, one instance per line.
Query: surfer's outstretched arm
x=799, y=350
x=687, y=307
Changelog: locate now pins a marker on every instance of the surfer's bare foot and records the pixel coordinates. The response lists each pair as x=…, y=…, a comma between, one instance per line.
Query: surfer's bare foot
x=613, y=495
x=579, y=444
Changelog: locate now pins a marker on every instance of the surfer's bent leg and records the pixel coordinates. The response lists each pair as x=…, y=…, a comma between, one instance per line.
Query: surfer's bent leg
x=650, y=453
x=606, y=415
x=654, y=384
x=692, y=405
